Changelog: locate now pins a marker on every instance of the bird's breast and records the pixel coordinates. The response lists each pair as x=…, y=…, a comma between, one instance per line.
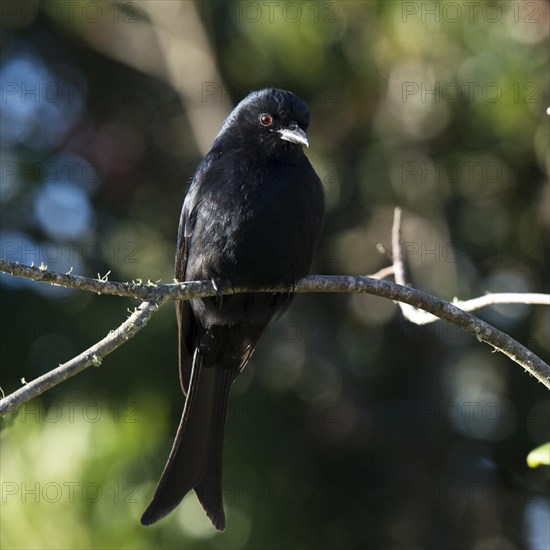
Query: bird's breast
x=257, y=227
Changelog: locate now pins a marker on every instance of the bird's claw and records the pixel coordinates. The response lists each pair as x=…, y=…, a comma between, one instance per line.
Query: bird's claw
x=219, y=285
x=289, y=293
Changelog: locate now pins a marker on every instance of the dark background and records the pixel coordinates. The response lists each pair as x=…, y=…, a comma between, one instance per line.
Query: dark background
x=351, y=428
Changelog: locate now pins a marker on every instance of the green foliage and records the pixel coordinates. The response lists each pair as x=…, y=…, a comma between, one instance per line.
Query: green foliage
x=350, y=428
x=539, y=456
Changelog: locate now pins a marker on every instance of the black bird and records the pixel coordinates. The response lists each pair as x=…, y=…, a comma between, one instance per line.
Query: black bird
x=251, y=218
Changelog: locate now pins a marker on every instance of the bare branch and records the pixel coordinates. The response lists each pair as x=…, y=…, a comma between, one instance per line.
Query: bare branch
x=420, y=317
x=397, y=252
x=156, y=295
x=417, y=307
x=91, y=357
x=148, y=291
x=383, y=273
x=439, y=308
x=412, y=314
x=503, y=298
x=154, y=292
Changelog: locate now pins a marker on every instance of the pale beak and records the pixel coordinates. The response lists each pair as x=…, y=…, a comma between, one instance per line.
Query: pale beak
x=294, y=134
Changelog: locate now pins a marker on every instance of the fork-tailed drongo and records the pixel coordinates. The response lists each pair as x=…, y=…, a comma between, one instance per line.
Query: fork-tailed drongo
x=251, y=219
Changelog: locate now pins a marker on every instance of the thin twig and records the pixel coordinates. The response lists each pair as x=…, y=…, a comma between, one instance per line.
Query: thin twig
x=412, y=314
x=397, y=253
x=421, y=317
x=147, y=291
x=439, y=308
x=383, y=273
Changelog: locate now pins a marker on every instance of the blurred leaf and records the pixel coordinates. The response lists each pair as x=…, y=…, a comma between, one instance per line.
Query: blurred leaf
x=539, y=456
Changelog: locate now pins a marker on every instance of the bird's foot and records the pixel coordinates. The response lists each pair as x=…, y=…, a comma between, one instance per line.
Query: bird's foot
x=219, y=286
x=289, y=294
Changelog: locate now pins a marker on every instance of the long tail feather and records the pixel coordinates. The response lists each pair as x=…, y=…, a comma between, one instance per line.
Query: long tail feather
x=195, y=461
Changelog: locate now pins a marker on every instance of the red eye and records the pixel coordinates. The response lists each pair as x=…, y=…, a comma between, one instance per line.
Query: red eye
x=266, y=119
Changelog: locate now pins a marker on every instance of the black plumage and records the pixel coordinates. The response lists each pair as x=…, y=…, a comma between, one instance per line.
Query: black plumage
x=251, y=218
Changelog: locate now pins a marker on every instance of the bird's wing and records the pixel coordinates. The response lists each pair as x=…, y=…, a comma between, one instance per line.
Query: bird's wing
x=186, y=320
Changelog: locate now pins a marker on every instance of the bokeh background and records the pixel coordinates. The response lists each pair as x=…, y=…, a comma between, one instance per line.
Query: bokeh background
x=350, y=428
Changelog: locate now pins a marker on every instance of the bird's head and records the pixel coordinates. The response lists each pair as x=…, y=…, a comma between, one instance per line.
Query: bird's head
x=274, y=119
